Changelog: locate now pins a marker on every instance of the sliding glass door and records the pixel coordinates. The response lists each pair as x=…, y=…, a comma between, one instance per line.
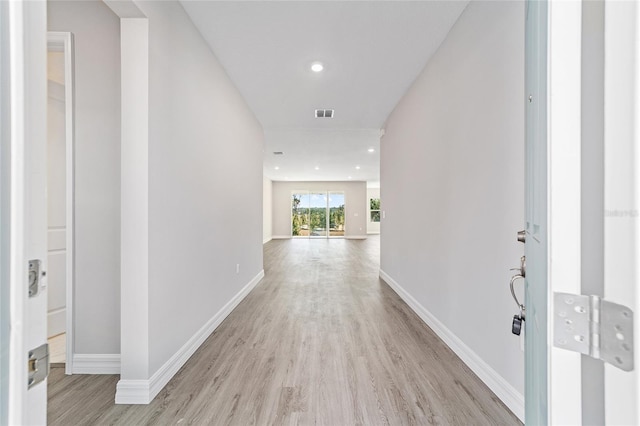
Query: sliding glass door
x=300, y=214
x=317, y=214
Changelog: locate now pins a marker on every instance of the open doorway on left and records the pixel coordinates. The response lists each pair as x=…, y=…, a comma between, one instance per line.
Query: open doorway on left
x=60, y=198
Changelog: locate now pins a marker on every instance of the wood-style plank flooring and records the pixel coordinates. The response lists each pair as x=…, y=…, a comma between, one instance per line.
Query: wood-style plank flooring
x=320, y=341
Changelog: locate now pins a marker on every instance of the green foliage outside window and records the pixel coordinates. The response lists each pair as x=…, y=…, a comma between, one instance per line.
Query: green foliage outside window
x=374, y=207
x=297, y=219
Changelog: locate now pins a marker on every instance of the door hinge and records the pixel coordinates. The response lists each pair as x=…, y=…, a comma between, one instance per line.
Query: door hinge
x=38, y=365
x=595, y=327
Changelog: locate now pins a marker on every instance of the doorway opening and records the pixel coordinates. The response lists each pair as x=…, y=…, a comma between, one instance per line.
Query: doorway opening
x=317, y=214
x=60, y=219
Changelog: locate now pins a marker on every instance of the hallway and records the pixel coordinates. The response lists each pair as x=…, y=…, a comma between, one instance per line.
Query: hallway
x=321, y=340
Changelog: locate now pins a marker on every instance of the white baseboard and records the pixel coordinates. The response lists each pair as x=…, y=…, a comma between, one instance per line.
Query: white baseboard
x=503, y=389
x=96, y=364
x=356, y=237
x=56, y=322
x=281, y=237
x=143, y=391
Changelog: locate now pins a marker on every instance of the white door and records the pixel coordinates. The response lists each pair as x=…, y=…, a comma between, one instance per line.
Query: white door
x=24, y=200
x=536, y=283
x=622, y=197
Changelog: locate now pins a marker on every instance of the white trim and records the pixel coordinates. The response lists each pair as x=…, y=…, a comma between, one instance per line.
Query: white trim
x=63, y=41
x=266, y=240
x=143, y=391
x=503, y=389
x=133, y=392
x=96, y=364
x=356, y=237
x=281, y=237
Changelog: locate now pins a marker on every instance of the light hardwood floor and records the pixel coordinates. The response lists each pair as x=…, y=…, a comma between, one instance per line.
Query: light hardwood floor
x=321, y=340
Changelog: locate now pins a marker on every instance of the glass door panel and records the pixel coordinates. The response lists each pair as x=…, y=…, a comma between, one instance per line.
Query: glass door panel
x=318, y=212
x=300, y=214
x=336, y=214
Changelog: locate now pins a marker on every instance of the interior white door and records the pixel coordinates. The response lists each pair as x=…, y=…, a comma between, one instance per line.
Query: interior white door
x=622, y=197
x=26, y=56
x=5, y=210
x=553, y=204
x=536, y=290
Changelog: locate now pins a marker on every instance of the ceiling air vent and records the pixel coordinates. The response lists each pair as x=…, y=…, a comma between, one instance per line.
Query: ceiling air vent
x=278, y=153
x=324, y=113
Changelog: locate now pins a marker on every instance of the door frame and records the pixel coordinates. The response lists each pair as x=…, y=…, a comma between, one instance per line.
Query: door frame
x=564, y=91
x=58, y=41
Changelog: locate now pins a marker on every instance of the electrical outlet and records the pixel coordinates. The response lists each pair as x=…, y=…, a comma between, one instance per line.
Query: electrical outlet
x=237, y=268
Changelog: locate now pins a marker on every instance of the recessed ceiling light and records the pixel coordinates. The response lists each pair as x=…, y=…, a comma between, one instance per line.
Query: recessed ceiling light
x=357, y=167
x=277, y=168
x=371, y=150
x=317, y=67
x=317, y=168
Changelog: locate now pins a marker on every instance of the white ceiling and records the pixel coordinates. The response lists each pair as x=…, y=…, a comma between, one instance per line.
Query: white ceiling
x=371, y=50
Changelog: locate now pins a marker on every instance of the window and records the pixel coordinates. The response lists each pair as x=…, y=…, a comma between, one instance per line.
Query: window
x=374, y=208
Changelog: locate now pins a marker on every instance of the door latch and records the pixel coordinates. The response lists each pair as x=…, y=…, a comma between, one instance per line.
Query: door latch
x=38, y=365
x=595, y=327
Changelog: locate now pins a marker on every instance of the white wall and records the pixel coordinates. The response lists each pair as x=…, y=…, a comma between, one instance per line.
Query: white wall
x=372, y=227
x=267, y=209
x=355, y=194
x=205, y=184
x=97, y=171
x=452, y=182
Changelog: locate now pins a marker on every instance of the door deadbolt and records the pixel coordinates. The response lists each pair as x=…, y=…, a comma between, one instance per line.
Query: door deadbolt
x=35, y=277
